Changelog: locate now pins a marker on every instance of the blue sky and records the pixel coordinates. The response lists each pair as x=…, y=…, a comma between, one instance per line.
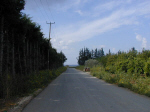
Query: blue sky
x=111, y=24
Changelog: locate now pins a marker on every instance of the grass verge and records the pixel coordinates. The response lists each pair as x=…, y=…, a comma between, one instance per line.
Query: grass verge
x=134, y=82
x=35, y=81
x=43, y=78
x=81, y=67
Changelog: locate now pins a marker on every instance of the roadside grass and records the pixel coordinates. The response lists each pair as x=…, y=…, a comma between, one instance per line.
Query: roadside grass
x=134, y=82
x=80, y=67
x=36, y=80
x=42, y=78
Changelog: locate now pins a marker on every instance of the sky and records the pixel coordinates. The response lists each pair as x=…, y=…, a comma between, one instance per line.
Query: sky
x=108, y=24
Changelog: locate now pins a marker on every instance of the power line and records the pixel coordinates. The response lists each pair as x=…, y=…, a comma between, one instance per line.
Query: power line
x=50, y=10
x=45, y=10
x=55, y=31
x=40, y=9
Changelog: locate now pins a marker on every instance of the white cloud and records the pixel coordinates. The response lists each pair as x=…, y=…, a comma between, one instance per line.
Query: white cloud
x=110, y=15
x=79, y=12
x=142, y=39
x=126, y=15
x=84, y=31
x=139, y=37
x=107, y=6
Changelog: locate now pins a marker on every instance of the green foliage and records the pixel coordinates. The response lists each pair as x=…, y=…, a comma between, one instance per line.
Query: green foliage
x=147, y=67
x=132, y=62
x=139, y=65
x=131, y=66
x=126, y=69
x=85, y=54
x=135, y=83
x=121, y=65
x=111, y=60
x=23, y=50
x=91, y=63
x=42, y=78
x=103, y=60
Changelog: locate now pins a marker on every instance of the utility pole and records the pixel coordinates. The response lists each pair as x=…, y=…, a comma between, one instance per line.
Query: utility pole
x=49, y=40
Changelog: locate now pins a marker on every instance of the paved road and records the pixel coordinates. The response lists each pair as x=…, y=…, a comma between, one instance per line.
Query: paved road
x=76, y=91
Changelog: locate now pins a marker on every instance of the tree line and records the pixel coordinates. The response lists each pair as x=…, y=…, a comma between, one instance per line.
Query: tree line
x=86, y=54
x=129, y=69
x=130, y=62
x=23, y=49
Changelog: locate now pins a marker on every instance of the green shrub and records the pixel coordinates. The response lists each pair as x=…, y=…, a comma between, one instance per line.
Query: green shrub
x=147, y=67
x=111, y=69
x=121, y=65
x=134, y=82
x=139, y=65
x=91, y=63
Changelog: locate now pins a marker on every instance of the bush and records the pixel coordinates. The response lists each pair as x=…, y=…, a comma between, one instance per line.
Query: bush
x=91, y=63
x=139, y=65
x=147, y=67
x=121, y=65
x=133, y=82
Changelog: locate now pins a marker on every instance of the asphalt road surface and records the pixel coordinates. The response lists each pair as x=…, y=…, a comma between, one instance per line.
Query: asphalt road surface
x=76, y=91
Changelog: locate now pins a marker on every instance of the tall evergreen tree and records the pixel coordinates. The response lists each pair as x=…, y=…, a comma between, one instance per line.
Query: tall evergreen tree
x=92, y=54
x=84, y=54
x=23, y=49
x=96, y=53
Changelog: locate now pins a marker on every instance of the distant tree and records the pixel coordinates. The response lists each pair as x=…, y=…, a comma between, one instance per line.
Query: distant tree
x=62, y=58
x=96, y=53
x=109, y=52
x=92, y=54
x=101, y=52
x=119, y=52
x=84, y=54
x=80, y=58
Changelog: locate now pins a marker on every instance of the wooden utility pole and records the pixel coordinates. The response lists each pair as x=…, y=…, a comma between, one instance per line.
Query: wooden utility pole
x=49, y=40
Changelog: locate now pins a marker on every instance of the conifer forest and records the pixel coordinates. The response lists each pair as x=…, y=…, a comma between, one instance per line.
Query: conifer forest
x=23, y=49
